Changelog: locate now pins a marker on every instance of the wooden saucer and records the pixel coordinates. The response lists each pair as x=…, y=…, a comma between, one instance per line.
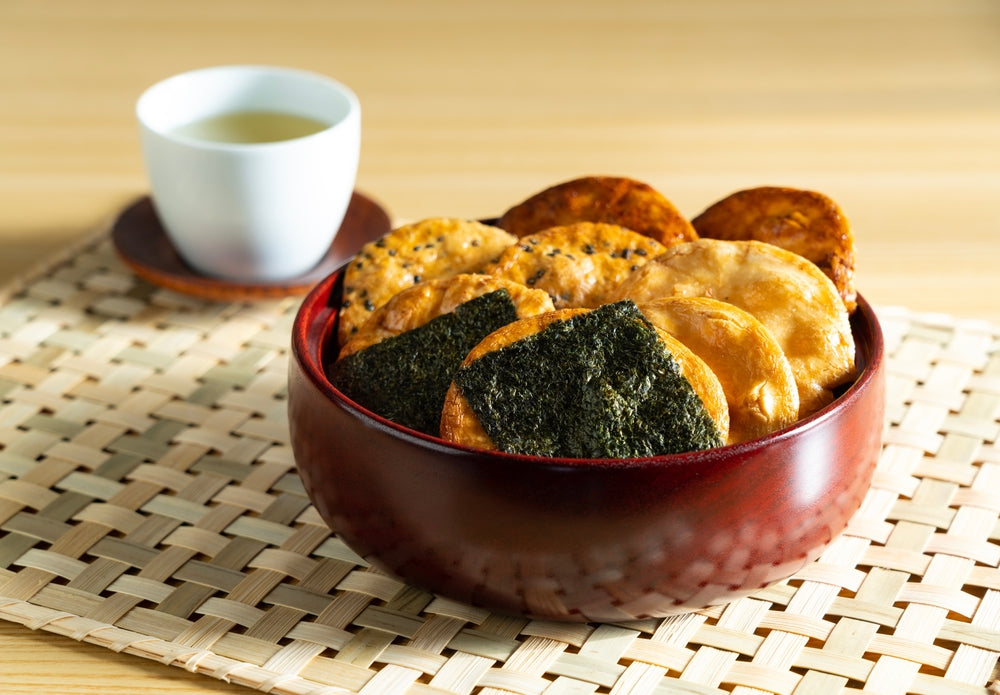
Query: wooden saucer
x=143, y=244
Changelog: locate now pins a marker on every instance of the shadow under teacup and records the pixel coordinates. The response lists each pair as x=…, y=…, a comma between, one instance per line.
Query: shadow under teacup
x=251, y=167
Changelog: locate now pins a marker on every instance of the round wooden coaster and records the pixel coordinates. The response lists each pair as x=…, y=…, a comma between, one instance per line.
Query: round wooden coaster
x=143, y=244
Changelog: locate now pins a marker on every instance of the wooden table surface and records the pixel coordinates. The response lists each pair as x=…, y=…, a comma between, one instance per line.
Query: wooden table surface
x=891, y=108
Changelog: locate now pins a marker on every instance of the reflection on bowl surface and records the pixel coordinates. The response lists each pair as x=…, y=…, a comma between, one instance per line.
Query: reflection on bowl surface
x=572, y=539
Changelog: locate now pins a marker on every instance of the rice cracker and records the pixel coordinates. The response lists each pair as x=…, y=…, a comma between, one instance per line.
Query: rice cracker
x=609, y=199
x=416, y=305
x=797, y=303
x=460, y=424
x=576, y=264
x=436, y=247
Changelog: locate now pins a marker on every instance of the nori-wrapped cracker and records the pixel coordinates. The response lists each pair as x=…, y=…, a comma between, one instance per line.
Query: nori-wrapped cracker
x=404, y=378
x=598, y=385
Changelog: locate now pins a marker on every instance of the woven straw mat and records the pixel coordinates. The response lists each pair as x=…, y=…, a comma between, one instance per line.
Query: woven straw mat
x=149, y=504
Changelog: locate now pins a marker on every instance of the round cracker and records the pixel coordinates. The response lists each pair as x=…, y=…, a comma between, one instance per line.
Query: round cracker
x=755, y=374
x=416, y=305
x=797, y=303
x=437, y=247
x=609, y=199
x=702, y=379
x=805, y=222
x=459, y=423
x=576, y=264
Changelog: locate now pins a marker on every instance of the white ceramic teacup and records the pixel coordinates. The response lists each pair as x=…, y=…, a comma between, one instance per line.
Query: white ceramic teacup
x=250, y=211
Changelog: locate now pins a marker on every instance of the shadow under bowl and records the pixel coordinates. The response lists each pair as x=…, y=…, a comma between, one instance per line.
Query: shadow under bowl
x=580, y=539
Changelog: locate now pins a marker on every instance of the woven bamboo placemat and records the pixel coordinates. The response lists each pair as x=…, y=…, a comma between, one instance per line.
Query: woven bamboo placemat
x=149, y=504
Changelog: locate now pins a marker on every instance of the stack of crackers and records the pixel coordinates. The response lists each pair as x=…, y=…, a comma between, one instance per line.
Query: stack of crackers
x=752, y=296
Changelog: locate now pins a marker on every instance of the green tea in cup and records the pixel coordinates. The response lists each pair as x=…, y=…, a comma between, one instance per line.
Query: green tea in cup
x=246, y=127
x=251, y=167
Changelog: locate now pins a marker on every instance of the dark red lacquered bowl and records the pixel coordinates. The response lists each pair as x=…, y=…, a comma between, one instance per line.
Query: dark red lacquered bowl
x=572, y=539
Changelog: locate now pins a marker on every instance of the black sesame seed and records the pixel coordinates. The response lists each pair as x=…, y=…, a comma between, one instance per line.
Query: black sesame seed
x=536, y=277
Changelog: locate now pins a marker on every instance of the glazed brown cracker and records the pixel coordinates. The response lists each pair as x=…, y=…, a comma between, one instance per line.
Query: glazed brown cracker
x=418, y=304
x=459, y=422
x=797, y=303
x=609, y=199
x=576, y=264
x=433, y=248
x=755, y=374
x=804, y=222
